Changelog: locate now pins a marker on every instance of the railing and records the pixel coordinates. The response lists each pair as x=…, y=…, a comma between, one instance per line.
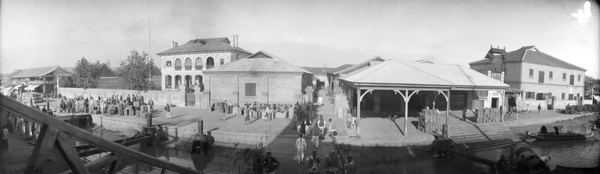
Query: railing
x=250, y=157
x=341, y=162
x=60, y=135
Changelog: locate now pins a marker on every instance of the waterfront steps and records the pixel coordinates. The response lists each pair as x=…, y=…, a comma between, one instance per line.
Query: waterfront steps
x=472, y=133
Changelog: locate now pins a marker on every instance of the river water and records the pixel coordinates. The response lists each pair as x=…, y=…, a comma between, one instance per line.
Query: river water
x=380, y=160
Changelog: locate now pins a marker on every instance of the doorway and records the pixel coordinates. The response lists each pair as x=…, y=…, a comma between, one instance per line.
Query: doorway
x=494, y=102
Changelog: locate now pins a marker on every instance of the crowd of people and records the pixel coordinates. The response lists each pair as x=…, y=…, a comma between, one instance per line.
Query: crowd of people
x=103, y=105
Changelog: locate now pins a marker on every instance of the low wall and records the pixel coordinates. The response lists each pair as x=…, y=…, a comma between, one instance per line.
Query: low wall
x=527, y=122
x=228, y=139
x=159, y=97
x=559, y=104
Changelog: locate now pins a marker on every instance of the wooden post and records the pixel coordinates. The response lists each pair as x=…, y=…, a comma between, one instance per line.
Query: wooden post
x=201, y=127
x=358, y=100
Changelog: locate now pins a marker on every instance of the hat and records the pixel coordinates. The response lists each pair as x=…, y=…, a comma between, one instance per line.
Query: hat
x=268, y=153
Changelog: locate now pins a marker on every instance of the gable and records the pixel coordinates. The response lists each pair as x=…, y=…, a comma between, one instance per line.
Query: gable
x=260, y=55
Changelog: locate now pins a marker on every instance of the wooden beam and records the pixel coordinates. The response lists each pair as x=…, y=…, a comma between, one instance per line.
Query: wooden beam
x=67, y=151
x=38, y=116
x=115, y=165
x=41, y=152
x=127, y=143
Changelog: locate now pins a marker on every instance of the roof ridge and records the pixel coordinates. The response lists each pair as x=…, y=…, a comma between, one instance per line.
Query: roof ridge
x=466, y=75
x=425, y=71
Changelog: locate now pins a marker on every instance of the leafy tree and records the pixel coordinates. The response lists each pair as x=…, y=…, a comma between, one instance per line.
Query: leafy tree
x=66, y=81
x=86, y=74
x=135, y=71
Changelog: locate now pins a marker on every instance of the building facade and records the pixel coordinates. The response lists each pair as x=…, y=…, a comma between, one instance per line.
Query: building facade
x=182, y=66
x=262, y=78
x=42, y=80
x=537, y=78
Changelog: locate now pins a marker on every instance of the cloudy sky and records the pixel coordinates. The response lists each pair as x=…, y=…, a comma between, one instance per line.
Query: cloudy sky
x=307, y=33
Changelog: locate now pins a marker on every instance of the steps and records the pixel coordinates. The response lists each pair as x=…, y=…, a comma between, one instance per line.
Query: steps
x=471, y=133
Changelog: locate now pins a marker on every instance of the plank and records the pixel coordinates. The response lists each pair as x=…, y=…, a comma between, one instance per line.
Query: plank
x=42, y=150
x=14, y=106
x=64, y=144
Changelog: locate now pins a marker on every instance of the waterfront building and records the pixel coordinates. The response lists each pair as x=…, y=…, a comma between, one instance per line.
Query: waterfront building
x=403, y=88
x=535, y=78
x=261, y=77
x=183, y=66
x=42, y=80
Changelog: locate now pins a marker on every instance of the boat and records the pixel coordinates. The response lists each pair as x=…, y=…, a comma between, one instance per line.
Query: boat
x=578, y=169
x=526, y=160
x=563, y=133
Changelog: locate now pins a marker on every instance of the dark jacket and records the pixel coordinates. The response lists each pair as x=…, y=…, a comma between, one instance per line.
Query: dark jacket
x=270, y=164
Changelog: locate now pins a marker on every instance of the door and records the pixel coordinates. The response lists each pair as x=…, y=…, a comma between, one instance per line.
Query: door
x=494, y=102
x=190, y=98
x=550, y=102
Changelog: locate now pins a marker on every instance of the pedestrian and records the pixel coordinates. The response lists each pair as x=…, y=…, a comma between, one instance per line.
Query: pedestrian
x=321, y=124
x=302, y=128
x=300, y=147
x=307, y=126
x=151, y=104
x=313, y=163
x=168, y=111
x=316, y=133
x=331, y=128
x=223, y=110
x=464, y=112
x=350, y=166
x=270, y=164
x=527, y=109
x=539, y=108
x=5, y=138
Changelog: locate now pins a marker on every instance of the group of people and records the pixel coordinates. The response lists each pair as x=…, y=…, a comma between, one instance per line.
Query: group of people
x=101, y=104
x=21, y=126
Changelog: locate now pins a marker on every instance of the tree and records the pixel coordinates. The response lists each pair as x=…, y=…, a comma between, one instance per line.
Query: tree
x=66, y=81
x=135, y=71
x=86, y=74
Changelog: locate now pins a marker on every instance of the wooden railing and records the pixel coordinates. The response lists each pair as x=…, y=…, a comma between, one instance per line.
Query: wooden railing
x=60, y=135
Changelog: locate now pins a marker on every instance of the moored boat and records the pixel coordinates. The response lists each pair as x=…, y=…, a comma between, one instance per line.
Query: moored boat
x=526, y=160
x=560, y=168
x=563, y=133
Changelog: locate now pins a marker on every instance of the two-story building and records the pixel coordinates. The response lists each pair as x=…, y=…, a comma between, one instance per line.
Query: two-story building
x=42, y=79
x=537, y=78
x=182, y=66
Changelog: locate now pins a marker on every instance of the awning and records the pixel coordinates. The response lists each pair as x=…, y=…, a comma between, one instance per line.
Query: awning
x=6, y=90
x=31, y=87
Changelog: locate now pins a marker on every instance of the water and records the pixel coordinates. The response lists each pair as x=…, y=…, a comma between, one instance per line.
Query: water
x=381, y=160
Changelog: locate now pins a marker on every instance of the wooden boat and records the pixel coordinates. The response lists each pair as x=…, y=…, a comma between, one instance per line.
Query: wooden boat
x=578, y=169
x=526, y=160
x=562, y=133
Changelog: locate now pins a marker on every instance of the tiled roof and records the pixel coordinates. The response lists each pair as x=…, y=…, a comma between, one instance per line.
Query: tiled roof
x=201, y=45
x=531, y=54
x=422, y=75
x=360, y=65
x=37, y=72
x=258, y=62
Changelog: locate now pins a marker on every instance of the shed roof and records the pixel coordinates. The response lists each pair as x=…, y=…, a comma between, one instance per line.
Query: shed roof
x=261, y=61
x=360, y=65
x=38, y=72
x=530, y=54
x=320, y=70
x=393, y=73
x=201, y=45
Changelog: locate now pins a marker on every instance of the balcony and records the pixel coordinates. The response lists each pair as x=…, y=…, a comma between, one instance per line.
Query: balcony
x=498, y=76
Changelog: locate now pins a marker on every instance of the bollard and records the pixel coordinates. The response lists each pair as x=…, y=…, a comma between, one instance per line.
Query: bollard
x=445, y=131
x=148, y=119
x=201, y=127
x=151, y=131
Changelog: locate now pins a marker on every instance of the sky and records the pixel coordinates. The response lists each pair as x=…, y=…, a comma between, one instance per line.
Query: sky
x=304, y=32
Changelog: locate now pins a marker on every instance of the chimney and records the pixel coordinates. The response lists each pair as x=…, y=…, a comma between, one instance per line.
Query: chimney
x=175, y=44
x=234, y=40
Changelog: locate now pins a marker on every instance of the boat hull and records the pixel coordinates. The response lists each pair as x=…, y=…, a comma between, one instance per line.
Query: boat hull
x=562, y=136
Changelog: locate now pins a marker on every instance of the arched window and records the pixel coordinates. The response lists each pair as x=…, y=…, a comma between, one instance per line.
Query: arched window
x=177, y=81
x=168, y=84
x=198, y=79
x=188, y=81
x=169, y=63
x=221, y=61
x=188, y=64
x=177, y=64
x=199, y=63
x=210, y=62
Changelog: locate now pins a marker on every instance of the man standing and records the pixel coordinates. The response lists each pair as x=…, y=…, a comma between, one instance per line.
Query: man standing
x=270, y=164
x=316, y=133
x=223, y=110
x=151, y=104
x=300, y=146
x=464, y=112
x=539, y=108
x=321, y=124
x=313, y=163
x=5, y=138
x=168, y=111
